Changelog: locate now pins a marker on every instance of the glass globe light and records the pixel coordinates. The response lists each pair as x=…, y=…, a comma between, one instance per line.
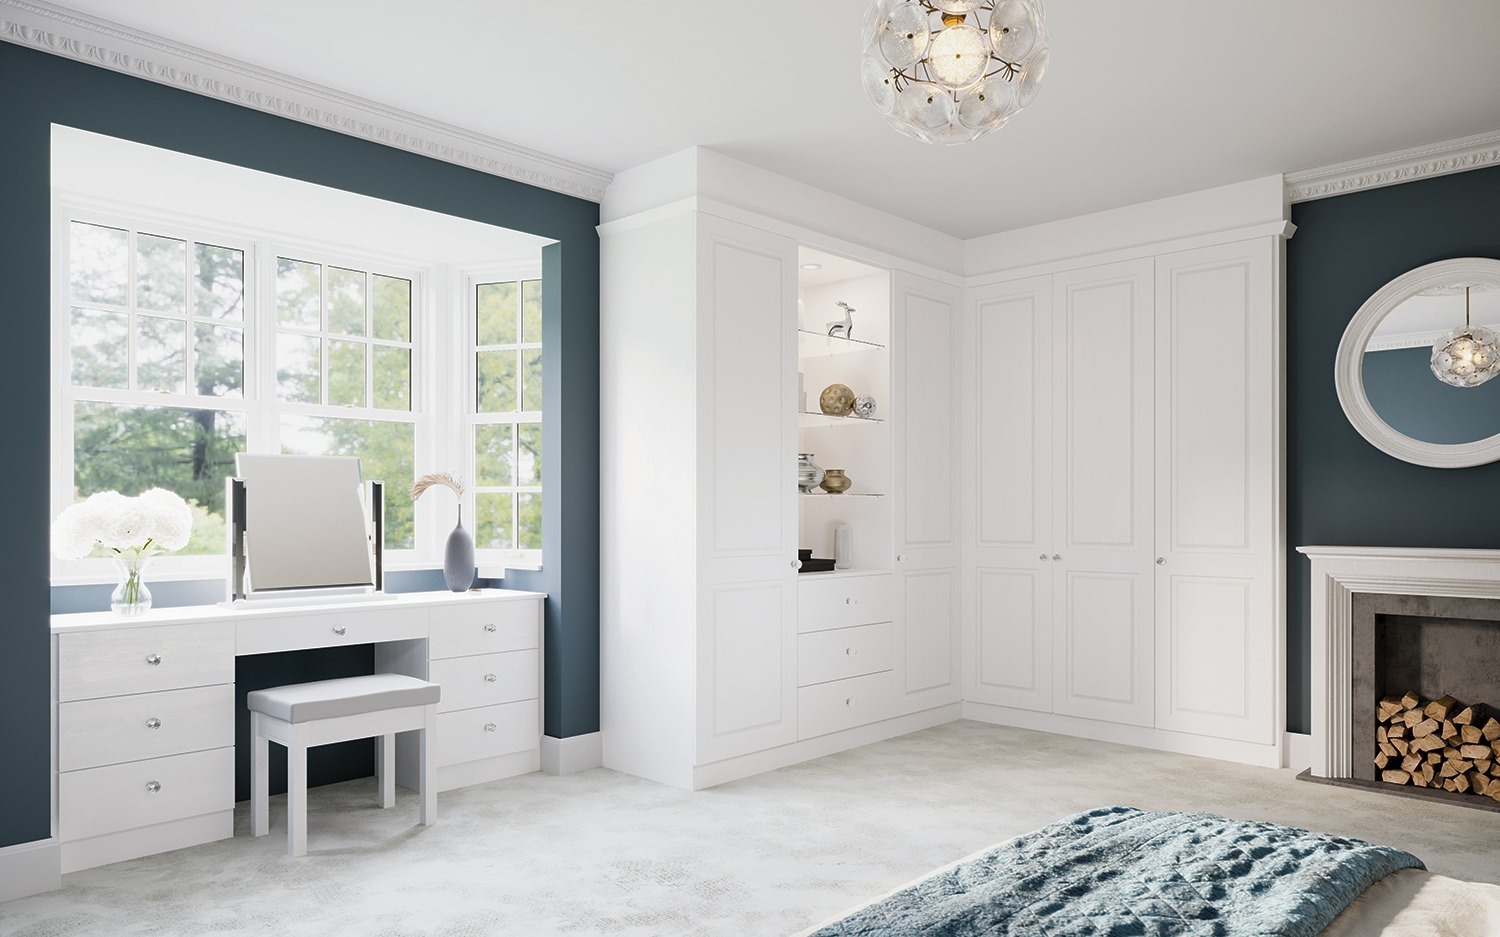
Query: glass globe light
x=1467, y=356
x=950, y=71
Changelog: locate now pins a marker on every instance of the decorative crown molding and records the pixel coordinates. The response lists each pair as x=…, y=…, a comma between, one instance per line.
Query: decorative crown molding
x=1418, y=162
x=109, y=45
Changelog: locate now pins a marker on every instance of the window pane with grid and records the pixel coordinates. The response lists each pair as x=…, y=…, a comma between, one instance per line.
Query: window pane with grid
x=507, y=403
x=118, y=447
x=344, y=336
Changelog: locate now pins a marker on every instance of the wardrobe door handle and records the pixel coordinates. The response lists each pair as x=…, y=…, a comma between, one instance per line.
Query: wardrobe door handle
x=1057, y=556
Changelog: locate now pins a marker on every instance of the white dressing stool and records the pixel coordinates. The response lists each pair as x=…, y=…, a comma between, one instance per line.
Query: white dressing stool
x=303, y=715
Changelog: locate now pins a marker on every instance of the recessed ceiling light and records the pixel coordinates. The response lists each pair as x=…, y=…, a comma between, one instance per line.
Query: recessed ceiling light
x=812, y=266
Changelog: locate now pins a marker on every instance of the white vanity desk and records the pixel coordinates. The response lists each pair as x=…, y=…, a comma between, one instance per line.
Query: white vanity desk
x=143, y=730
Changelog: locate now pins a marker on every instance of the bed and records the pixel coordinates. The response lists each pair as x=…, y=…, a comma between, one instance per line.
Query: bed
x=1122, y=871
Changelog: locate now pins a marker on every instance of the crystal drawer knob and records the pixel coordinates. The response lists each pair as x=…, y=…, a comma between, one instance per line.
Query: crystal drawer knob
x=489, y=727
x=153, y=659
x=849, y=701
x=489, y=678
x=153, y=723
x=340, y=630
x=153, y=787
x=851, y=601
x=490, y=628
x=850, y=651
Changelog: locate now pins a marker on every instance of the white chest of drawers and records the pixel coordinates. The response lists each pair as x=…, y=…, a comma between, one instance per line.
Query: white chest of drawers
x=144, y=733
x=845, y=653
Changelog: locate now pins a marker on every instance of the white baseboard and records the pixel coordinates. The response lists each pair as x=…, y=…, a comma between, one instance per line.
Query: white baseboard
x=450, y=777
x=1265, y=756
x=732, y=769
x=30, y=869
x=573, y=754
x=1299, y=751
x=146, y=841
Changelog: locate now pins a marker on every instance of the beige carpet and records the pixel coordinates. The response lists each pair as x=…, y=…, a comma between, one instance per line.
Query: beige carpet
x=604, y=853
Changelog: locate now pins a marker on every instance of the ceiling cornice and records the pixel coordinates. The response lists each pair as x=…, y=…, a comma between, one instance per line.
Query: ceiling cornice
x=1418, y=162
x=109, y=45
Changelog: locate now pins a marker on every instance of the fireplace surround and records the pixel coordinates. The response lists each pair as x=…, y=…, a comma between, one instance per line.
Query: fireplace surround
x=1364, y=595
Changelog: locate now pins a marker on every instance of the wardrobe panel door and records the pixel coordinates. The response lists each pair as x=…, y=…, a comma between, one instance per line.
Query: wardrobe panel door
x=1102, y=562
x=747, y=699
x=746, y=417
x=925, y=384
x=1216, y=620
x=1007, y=532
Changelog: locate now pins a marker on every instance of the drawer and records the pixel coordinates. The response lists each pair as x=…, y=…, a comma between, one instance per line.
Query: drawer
x=485, y=680
x=484, y=628
x=472, y=734
x=844, y=704
x=329, y=629
x=844, y=652
x=97, y=801
x=842, y=602
x=93, y=664
x=109, y=731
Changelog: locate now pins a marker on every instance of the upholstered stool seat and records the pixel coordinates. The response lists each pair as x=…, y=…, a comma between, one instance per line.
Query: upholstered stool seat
x=303, y=715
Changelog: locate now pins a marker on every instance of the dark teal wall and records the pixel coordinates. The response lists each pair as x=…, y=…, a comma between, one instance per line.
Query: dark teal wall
x=1340, y=489
x=40, y=90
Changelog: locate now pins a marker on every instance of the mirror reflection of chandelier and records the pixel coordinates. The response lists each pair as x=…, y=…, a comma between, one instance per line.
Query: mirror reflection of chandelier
x=1467, y=356
x=950, y=71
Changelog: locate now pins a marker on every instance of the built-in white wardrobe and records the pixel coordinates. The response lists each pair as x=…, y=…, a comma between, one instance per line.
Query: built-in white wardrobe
x=1122, y=569
x=720, y=658
x=1067, y=510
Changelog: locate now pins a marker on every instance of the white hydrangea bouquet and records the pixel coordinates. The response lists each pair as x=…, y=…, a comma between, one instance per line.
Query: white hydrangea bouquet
x=130, y=531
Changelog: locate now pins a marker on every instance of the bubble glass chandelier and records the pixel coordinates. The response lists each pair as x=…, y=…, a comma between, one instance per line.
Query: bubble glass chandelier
x=950, y=71
x=1467, y=356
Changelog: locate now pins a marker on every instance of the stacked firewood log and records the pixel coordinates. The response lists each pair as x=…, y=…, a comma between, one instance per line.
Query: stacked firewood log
x=1439, y=744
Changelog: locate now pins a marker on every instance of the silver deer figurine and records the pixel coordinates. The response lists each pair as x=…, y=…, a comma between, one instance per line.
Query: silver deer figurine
x=843, y=329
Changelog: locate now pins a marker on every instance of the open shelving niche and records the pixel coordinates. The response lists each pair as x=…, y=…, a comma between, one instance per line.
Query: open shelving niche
x=862, y=447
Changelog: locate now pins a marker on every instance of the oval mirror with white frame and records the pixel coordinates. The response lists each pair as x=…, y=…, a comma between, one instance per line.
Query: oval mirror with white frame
x=1414, y=368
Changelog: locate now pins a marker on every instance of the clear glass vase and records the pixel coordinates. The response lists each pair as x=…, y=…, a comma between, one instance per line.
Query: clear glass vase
x=131, y=597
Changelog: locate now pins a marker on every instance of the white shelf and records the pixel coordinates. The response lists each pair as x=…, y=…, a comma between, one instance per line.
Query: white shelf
x=847, y=494
x=814, y=344
x=841, y=573
x=810, y=418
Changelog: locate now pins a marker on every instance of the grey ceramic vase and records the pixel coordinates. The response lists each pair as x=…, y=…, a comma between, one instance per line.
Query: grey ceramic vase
x=458, y=558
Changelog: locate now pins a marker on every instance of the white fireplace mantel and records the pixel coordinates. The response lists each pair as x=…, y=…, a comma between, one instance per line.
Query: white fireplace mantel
x=1340, y=572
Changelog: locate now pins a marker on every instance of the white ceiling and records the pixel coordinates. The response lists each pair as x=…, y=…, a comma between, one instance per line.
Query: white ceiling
x=1142, y=100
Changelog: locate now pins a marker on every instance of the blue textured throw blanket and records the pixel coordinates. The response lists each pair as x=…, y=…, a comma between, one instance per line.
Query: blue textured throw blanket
x=1118, y=871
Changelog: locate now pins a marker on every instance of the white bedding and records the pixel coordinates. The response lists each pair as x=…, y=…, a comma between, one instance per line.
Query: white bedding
x=1414, y=903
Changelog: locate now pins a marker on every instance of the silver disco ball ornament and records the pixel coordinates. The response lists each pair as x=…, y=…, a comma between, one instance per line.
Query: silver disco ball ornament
x=950, y=71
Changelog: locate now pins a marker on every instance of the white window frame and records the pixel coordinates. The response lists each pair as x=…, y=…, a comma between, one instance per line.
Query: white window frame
x=432, y=289
x=493, y=562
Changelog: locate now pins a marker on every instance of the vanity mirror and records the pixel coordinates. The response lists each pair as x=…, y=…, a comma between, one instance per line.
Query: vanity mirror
x=1413, y=368
x=299, y=523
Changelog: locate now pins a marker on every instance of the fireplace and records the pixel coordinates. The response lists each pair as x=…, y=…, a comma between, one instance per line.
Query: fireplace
x=1391, y=621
